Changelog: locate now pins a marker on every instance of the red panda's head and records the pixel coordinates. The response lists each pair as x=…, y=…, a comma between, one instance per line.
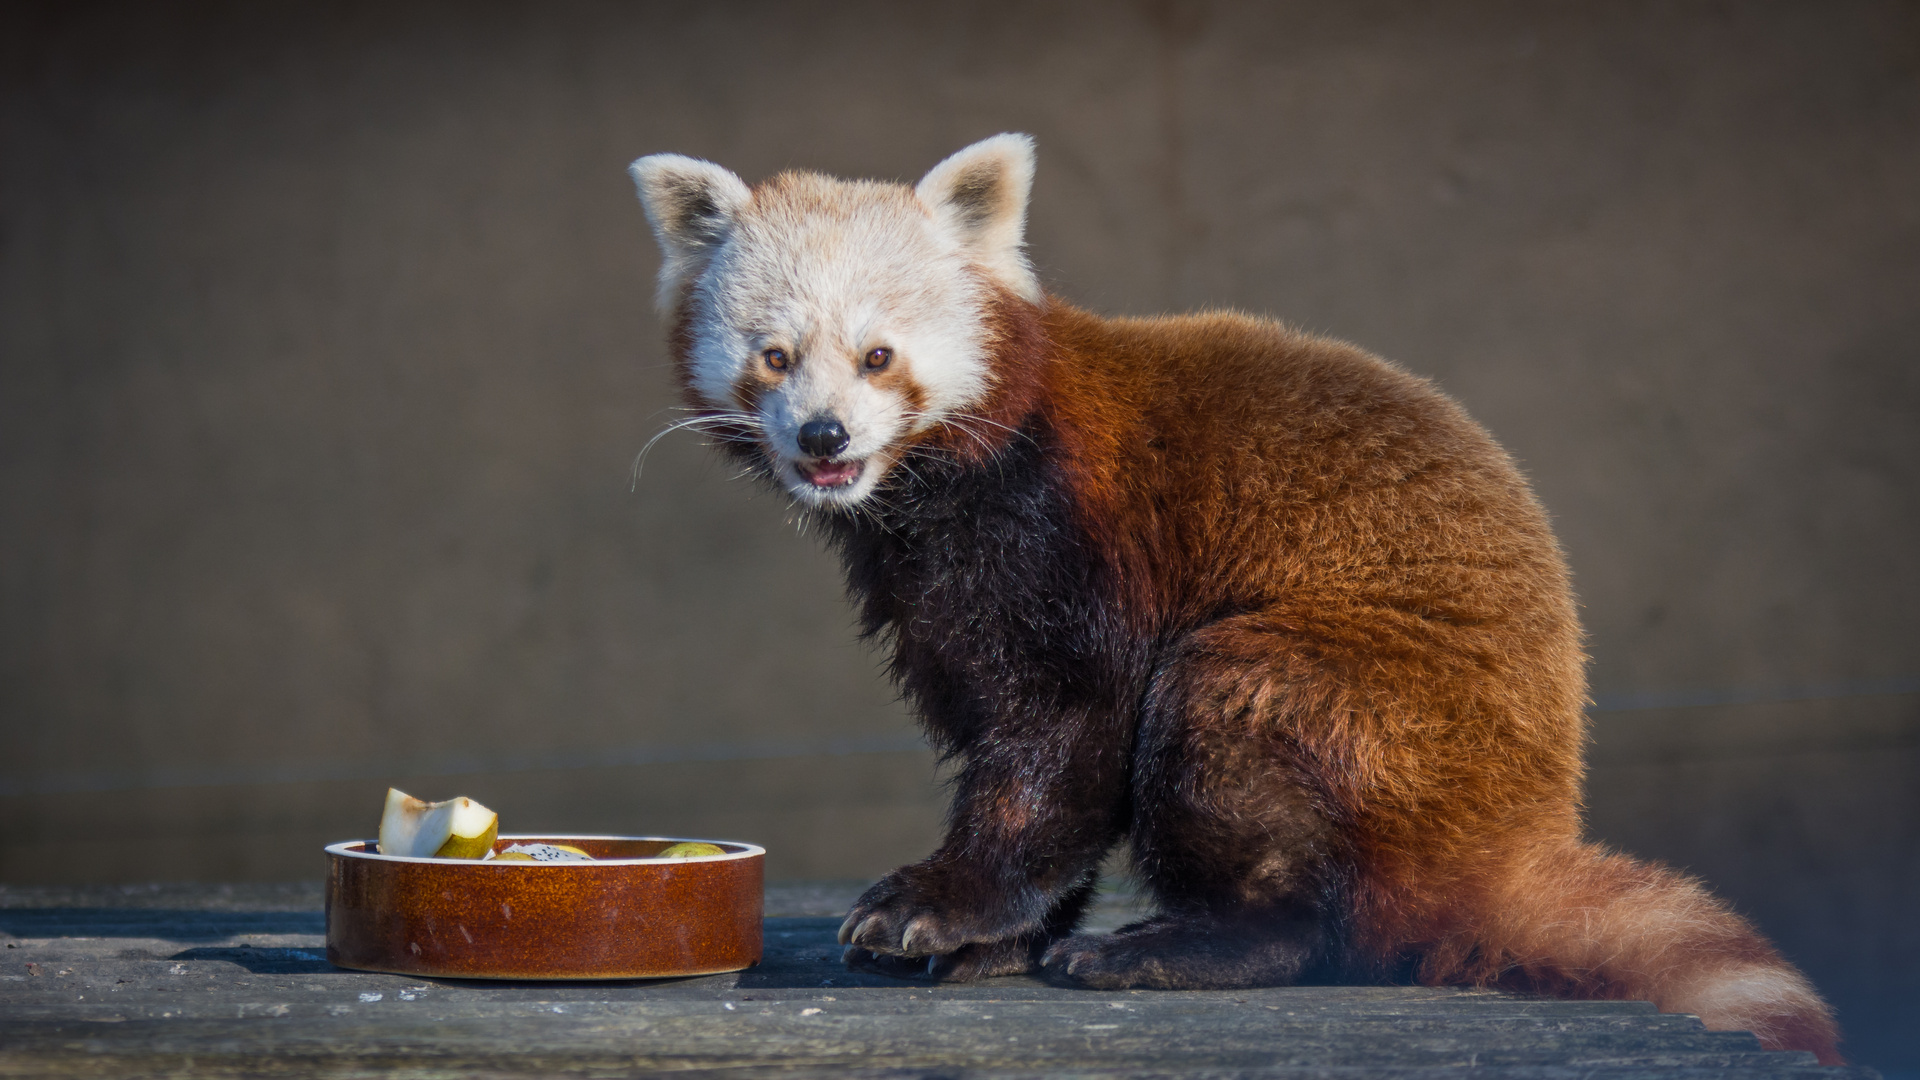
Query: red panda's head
x=839, y=320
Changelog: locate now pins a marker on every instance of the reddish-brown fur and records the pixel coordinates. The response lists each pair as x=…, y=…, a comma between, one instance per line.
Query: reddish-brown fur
x=1409, y=624
x=1361, y=653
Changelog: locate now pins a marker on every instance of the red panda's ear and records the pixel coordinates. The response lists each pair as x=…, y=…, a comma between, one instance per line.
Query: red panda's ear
x=980, y=194
x=692, y=206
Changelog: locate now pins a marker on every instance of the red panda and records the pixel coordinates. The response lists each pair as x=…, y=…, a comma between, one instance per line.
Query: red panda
x=1269, y=610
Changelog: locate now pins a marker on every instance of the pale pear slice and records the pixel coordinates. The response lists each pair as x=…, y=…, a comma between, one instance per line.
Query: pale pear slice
x=543, y=853
x=689, y=849
x=456, y=829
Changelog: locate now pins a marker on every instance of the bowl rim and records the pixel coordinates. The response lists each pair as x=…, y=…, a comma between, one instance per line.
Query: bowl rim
x=344, y=849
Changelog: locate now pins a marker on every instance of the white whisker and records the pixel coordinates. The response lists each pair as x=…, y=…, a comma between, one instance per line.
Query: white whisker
x=722, y=420
x=962, y=423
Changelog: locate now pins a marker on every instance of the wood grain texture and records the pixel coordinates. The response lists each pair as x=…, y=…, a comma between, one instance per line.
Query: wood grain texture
x=201, y=981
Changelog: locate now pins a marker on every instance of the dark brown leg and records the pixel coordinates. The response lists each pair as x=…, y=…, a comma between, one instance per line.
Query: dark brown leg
x=1035, y=810
x=1227, y=830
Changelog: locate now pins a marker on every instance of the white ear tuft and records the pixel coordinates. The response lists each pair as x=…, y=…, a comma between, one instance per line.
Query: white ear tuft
x=692, y=206
x=980, y=194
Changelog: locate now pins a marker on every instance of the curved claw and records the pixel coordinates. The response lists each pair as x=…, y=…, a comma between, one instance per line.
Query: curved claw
x=917, y=929
x=1057, y=963
x=859, y=933
x=1055, y=953
x=847, y=927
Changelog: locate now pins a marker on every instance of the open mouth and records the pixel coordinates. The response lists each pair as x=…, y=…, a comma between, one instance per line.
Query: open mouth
x=830, y=474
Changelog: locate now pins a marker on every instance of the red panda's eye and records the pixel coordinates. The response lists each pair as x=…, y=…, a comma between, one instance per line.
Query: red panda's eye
x=878, y=359
x=775, y=358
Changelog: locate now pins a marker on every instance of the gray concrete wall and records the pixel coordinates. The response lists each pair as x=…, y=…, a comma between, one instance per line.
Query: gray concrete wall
x=325, y=346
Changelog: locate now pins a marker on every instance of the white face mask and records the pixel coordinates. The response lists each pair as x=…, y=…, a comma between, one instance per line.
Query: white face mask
x=834, y=319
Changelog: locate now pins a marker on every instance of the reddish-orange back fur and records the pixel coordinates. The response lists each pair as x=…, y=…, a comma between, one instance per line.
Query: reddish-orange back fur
x=1410, y=625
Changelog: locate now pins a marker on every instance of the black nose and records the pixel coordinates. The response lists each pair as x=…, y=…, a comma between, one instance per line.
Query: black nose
x=823, y=438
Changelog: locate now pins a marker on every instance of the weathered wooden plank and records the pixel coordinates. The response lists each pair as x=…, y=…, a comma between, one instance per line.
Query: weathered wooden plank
x=326, y=1051
x=957, y=1034
x=536, y=1065
x=801, y=954
x=169, y=982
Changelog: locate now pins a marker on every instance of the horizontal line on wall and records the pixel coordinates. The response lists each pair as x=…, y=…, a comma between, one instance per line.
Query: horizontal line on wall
x=1693, y=699
x=762, y=750
x=317, y=772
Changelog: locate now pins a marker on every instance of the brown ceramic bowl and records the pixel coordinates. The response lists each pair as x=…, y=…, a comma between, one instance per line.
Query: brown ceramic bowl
x=626, y=915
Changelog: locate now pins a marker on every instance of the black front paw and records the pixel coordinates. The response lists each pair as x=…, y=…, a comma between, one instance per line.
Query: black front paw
x=917, y=911
x=985, y=960
x=894, y=967
x=1194, y=952
x=1102, y=962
